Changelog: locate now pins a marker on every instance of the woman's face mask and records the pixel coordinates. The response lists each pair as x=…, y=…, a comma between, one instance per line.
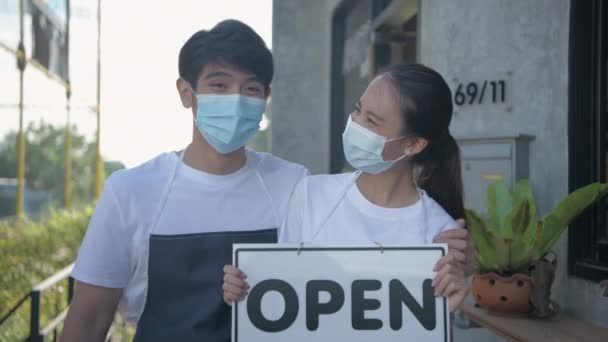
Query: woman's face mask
x=363, y=149
x=376, y=115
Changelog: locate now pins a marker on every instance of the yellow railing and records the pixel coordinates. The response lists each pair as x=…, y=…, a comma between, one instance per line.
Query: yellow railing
x=22, y=62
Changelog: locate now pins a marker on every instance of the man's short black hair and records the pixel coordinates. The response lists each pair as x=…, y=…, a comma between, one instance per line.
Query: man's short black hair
x=231, y=42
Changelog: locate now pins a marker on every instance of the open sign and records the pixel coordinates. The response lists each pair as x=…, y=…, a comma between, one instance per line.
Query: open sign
x=330, y=293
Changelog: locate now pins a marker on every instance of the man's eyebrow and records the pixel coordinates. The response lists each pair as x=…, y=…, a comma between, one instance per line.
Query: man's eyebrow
x=217, y=74
x=254, y=79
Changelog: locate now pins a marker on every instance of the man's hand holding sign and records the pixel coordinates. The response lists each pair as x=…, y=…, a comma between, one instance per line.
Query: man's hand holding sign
x=352, y=292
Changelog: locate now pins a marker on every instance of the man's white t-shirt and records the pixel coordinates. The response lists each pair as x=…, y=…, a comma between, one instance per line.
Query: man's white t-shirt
x=166, y=197
x=330, y=209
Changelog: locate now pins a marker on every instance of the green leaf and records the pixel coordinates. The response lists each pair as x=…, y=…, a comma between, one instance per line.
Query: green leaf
x=556, y=229
x=523, y=192
x=522, y=222
x=579, y=200
x=502, y=250
x=521, y=255
x=482, y=238
x=500, y=204
x=540, y=241
x=519, y=218
x=569, y=208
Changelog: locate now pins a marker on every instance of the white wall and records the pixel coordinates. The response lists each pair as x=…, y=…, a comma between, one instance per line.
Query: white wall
x=485, y=38
x=301, y=89
x=464, y=39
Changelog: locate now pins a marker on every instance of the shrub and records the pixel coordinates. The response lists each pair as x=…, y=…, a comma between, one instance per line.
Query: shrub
x=31, y=252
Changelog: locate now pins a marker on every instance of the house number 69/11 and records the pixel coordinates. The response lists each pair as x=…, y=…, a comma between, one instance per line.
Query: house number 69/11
x=480, y=92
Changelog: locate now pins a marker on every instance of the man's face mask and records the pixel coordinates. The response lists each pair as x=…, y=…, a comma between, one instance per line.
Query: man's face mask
x=228, y=121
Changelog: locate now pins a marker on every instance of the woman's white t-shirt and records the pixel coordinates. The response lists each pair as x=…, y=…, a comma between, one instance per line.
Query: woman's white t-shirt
x=330, y=209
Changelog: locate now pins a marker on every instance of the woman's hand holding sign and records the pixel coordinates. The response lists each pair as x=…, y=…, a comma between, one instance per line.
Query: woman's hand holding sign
x=453, y=268
x=450, y=281
x=460, y=246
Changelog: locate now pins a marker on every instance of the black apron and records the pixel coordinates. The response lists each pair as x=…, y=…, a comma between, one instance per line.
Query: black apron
x=184, y=299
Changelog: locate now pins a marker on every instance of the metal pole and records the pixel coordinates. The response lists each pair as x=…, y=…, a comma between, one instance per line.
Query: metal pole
x=70, y=290
x=99, y=171
x=35, y=318
x=67, y=190
x=21, y=61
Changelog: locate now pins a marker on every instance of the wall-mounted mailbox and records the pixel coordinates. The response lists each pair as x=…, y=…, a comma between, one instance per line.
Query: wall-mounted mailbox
x=486, y=160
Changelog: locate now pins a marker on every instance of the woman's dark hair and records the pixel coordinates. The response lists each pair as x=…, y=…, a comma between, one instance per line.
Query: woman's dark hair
x=231, y=42
x=425, y=100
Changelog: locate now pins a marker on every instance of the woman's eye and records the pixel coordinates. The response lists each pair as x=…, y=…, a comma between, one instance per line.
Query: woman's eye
x=254, y=90
x=371, y=121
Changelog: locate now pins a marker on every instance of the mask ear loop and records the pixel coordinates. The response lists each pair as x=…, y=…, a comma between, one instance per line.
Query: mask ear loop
x=194, y=99
x=405, y=154
x=395, y=139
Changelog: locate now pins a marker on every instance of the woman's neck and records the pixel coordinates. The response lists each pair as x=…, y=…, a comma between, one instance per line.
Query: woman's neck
x=394, y=188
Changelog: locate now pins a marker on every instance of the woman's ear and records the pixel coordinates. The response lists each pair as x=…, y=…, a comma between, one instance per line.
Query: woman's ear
x=185, y=92
x=415, y=145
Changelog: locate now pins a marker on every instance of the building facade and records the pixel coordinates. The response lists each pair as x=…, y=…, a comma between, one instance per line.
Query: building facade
x=529, y=80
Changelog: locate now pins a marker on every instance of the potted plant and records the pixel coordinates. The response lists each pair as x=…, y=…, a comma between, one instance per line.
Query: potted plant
x=515, y=273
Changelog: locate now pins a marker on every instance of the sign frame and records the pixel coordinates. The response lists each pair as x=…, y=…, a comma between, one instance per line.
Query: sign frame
x=237, y=248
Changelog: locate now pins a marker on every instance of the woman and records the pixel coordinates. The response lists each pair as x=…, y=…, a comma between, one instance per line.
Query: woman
x=407, y=187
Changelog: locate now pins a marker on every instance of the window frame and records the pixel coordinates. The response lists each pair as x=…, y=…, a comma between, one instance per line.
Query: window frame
x=588, y=134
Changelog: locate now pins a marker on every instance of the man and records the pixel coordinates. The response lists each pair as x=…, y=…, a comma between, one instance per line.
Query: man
x=162, y=231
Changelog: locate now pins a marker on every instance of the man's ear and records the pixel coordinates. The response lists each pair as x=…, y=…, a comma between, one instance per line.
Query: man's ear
x=415, y=145
x=185, y=92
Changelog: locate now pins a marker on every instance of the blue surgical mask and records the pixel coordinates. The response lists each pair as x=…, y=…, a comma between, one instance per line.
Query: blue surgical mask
x=363, y=149
x=228, y=121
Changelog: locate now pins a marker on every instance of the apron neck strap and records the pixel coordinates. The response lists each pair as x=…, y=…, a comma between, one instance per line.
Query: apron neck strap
x=336, y=203
x=165, y=194
x=252, y=163
x=352, y=182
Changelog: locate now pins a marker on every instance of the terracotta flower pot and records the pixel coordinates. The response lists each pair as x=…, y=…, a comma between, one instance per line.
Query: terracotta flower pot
x=507, y=295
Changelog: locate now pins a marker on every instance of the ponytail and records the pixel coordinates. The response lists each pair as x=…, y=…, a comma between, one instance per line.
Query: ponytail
x=425, y=100
x=440, y=174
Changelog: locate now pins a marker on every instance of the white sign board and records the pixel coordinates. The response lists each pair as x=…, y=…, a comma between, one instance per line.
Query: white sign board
x=347, y=294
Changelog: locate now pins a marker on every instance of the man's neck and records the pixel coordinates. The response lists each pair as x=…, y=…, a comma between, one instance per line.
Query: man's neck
x=202, y=156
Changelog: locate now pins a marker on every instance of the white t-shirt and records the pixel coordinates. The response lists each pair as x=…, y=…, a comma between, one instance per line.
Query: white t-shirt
x=166, y=197
x=330, y=209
